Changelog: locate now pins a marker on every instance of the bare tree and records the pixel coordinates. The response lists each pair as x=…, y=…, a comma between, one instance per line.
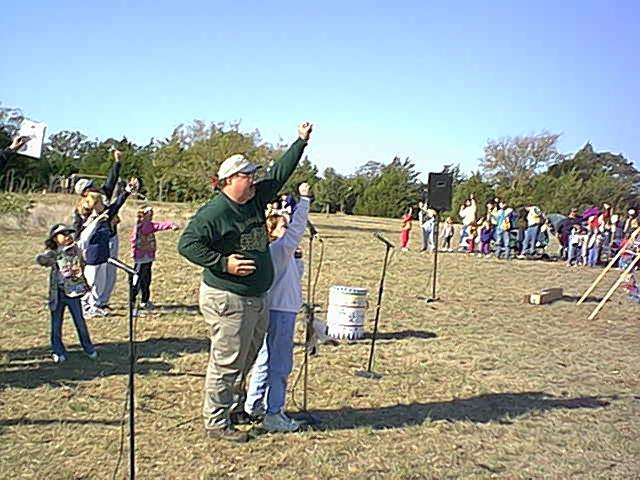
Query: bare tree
x=510, y=161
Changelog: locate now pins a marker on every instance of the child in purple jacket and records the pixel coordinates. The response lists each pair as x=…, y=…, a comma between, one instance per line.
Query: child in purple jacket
x=143, y=250
x=486, y=235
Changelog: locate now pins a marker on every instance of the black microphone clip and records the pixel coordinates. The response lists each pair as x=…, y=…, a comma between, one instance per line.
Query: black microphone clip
x=312, y=230
x=383, y=240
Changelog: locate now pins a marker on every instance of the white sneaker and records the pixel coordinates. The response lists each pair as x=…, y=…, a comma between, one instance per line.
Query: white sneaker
x=58, y=358
x=93, y=355
x=147, y=305
x=96, y=312
x=279, y=422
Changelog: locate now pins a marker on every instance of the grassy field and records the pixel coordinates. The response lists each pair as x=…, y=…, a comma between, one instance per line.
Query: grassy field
x=476, y=385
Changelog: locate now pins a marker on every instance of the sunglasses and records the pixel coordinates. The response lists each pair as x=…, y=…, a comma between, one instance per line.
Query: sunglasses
x=251, y=175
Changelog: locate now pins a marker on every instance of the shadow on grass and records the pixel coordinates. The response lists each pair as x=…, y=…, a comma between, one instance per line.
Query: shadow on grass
x=353, y=228
x=575, y=298
x=179, y=308
x=22, y=421
x=501, y=407
x=32, y=368
x=404, y=334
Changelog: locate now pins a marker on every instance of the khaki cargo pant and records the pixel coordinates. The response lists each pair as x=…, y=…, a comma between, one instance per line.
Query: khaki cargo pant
x=238, y=326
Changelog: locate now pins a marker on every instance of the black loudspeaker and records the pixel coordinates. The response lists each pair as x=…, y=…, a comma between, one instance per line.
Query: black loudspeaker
x=440, y=191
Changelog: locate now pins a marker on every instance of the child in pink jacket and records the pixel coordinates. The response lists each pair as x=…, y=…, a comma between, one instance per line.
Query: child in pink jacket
x=143, y=250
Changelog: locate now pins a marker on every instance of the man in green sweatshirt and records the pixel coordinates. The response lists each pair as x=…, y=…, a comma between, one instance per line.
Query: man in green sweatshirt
x=228, y=238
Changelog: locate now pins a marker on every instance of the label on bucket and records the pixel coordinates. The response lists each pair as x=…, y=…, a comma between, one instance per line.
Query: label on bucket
x=346, y=312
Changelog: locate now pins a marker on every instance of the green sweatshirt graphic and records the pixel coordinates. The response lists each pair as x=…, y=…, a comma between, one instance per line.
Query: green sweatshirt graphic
x=223, y=227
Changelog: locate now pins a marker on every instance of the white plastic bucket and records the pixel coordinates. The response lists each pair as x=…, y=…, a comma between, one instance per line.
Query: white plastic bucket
x=345, y=316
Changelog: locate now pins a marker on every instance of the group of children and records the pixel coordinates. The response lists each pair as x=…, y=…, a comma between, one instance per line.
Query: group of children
x=502, y=230
x=81, y=278
x=586, y=240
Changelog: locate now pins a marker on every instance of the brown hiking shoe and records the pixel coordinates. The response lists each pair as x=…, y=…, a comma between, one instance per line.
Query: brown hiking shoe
x=228, y=433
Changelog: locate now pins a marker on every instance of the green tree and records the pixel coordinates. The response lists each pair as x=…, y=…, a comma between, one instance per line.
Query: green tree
x=64, y=151
x=392, y=192
x=601, y=170
x=331, y=191
x=355, y=185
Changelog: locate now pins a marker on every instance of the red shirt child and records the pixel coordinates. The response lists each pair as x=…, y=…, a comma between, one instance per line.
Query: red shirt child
x=406, y=228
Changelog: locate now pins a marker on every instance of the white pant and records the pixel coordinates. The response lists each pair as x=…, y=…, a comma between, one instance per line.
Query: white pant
x=112, y=271
x=96, y=276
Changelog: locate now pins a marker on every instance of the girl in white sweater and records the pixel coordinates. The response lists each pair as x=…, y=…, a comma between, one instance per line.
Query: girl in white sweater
x=268, y=386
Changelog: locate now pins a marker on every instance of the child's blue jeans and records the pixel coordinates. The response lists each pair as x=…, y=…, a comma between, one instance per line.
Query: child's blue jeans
x=57, y=315
x=268, y=385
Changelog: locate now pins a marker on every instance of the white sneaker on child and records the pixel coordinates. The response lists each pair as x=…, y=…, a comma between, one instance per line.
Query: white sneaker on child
x=58, y=358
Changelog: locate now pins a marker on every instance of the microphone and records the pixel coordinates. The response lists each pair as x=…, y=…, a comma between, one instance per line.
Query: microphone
x=383, y=240
x=117, y=263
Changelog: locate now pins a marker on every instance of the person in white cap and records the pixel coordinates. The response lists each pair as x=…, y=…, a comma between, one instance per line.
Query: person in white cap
x=228, y=238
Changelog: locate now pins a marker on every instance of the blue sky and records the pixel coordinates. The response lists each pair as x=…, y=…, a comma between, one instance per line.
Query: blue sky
x=427, y=80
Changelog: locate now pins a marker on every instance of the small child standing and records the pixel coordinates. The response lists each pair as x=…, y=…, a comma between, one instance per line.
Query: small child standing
x=448, y=232
x=593, y=243
x=267, y=389
x=575, y=245
x=486, y=235
x=143, y=250
x=471, y=239
x=406, y=228
x=67, y=285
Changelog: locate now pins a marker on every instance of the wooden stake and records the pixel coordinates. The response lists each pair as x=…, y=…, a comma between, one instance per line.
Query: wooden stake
x=609, y=266
x=614, y=287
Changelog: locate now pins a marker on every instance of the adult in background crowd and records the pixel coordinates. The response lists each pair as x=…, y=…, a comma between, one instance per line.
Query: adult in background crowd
x=16, y=144
x=228, y=238
x=534, y=222
x=427, y=219
x=467, y=214
x=503, y=227
x=563, y=232
x=631, y=223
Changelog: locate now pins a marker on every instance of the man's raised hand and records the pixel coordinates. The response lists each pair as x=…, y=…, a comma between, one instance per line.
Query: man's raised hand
x=240, y=266
x=304, y=130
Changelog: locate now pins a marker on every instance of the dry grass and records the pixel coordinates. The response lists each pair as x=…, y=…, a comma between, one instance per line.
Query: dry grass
x=477, y=385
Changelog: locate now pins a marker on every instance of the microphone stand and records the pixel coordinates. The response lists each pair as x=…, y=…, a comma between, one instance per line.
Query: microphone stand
x=368, y=373
x=308, y=331
x=133, y=281
x=436, y=228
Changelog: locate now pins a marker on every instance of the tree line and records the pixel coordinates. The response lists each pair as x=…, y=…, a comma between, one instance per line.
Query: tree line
x=525, y=169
